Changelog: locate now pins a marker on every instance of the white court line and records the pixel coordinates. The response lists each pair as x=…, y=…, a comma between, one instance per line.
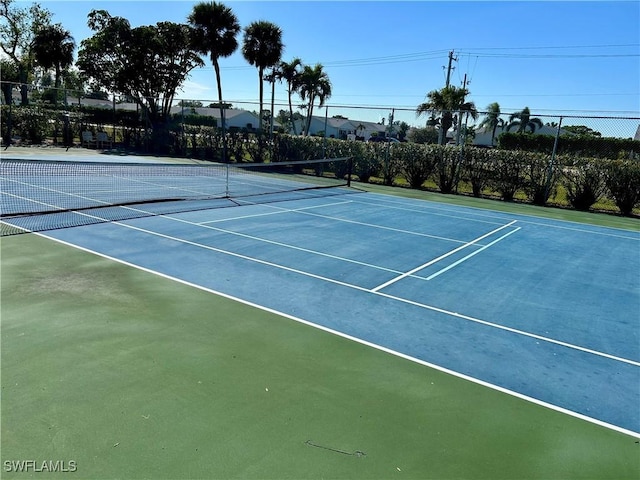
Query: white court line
x=439, y=368
x=399, y=299
x=430, y=205
x=373, y=225
x=272, y=242
x=455, y=264
x=429, y=211
x=271, y=213
x=431, y=262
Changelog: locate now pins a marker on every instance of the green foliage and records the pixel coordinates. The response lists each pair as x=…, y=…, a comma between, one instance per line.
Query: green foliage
x=448, y=160
x=366, y=163
x=417, y=162
x=147, y=63
x=477, y=168
x=507, y=173
x=582, y=145
x=29, y=123
x=623, y=180
x=447, y=102
x=584, y=180
x=424, y=135
x=541, y=178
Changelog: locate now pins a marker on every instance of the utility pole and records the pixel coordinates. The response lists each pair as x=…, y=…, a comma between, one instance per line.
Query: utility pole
x=449, y=68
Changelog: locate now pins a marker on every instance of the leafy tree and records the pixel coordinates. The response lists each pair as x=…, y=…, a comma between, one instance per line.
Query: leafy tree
x=53, y=47
x=582, y=130
x=9, y=76
x=522, y=120
x=290, y=72
x=446, y=102
x=403, y=128
x=18, y=27
x=492, y=119
x=190, y=103
x=223, y=105
x=423, y=135
x=216, y=28
x=73, y=81
x=313, y=84
x=262, y=48
x=147, y=63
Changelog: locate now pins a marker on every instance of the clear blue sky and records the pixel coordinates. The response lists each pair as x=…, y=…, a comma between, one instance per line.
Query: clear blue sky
x=554, y=57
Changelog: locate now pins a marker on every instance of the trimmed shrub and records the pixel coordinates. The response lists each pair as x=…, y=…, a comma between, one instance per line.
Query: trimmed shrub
x=622, y=178
x=584, y=179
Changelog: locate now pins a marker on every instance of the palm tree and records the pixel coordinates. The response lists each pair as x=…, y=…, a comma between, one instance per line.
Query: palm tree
x=522, y=120
x=262, y=48
x=290, y=72
x=215, y=30
x=272, y=77
x=53, y=47
x=314, y=84
x=447, y=101
x=492, y=119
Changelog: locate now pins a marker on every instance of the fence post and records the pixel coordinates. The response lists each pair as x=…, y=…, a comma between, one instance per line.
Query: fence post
x=551, y=162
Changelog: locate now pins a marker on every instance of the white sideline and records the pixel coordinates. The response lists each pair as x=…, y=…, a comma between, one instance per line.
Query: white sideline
x=477, y=381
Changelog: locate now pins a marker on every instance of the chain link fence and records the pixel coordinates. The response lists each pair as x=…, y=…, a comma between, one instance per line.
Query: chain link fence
x=582, y=162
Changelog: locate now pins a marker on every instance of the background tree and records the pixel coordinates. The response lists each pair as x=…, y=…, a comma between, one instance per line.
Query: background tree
x=423, y=135
x=582, y=130
x=272, y=77
x=290, y=72
x=18, y=27
x=522, y=120
x=492, y=119
x=147, y=63
x=313, y=84
x=9, y=78
x=446, y=102
x=262, y=48
x=215, y=30
x=53, y=48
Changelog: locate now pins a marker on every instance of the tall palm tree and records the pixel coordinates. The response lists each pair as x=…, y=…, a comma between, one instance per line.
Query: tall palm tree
x=262, y=48
x=522, y=120
x=447, y=101
x=53, y=47
x=313, y=84
x=215, y=30
x=290, y=72
x=492, y=119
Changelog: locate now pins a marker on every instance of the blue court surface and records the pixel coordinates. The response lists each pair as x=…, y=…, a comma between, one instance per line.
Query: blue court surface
x=542, y=309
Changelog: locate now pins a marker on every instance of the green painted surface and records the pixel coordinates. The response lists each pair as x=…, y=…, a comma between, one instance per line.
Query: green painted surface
x=130, y=375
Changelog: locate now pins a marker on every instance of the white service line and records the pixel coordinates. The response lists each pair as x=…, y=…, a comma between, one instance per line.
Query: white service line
x=454, y=264
x=273, y=242
x=373, y=225
x=435, y=260
x=279, y=212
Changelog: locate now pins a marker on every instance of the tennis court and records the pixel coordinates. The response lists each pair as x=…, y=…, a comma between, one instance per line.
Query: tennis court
x=540, y=312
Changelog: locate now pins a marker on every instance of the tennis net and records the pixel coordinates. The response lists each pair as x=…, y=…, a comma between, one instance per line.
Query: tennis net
x=40, y=195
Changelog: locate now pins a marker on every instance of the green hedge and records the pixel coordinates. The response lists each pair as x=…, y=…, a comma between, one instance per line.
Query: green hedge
x=582, y=145
x=569, y=181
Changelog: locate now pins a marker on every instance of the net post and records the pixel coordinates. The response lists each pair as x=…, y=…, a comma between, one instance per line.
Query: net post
x=349, y=170
x=226, y=183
